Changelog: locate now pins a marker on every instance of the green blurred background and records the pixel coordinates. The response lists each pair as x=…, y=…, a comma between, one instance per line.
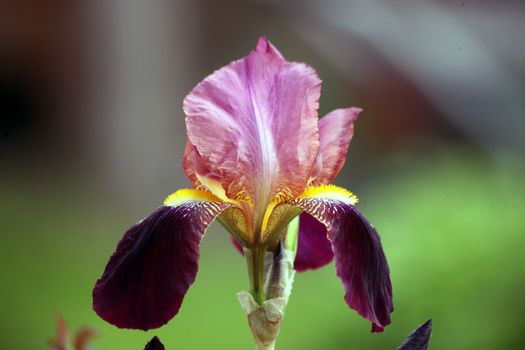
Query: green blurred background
x=93, y=134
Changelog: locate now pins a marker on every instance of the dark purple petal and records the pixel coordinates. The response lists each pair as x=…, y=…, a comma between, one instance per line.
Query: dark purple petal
x=418, y=339
x=314, y=250
x=147, y=277
x=360, y=262
x=154, y=344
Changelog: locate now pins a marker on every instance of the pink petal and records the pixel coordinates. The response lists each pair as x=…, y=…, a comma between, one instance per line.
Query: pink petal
x=254, y=124
x=360, y=262
x=264, y=46
x=335, y=133
x=314, y=250
x=192, y=164
x=153, y=266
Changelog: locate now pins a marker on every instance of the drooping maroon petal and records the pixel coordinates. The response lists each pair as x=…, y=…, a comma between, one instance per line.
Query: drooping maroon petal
x=147, y=277
x=254, y=124
x=314, y=250
x=335, y=133
x=360, y=262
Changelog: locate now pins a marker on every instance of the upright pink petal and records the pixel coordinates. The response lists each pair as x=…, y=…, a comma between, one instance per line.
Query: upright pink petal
x=264, y=46
x=192, y=164
x=335, y=133
x=254, y=124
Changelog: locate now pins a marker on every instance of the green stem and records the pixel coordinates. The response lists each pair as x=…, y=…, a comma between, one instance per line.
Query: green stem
x=255, y=258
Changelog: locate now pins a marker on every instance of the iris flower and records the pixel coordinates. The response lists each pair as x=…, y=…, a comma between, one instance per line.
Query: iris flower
x=258, y=157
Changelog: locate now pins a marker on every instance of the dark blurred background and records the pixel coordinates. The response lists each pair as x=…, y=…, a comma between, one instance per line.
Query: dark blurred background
x=92, y=134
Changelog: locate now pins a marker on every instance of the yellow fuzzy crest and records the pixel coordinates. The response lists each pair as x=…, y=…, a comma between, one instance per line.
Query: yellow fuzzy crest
x=190, y=195
x=330, y=192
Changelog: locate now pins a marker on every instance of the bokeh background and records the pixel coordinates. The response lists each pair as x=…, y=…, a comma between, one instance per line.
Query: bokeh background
x=92, y=135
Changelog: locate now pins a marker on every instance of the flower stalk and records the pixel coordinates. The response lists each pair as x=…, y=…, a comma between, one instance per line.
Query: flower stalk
x=265, y=307
x=255, y=259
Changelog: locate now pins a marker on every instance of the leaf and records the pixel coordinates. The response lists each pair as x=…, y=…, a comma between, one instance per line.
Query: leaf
x=154, y=344
x=419, y=338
